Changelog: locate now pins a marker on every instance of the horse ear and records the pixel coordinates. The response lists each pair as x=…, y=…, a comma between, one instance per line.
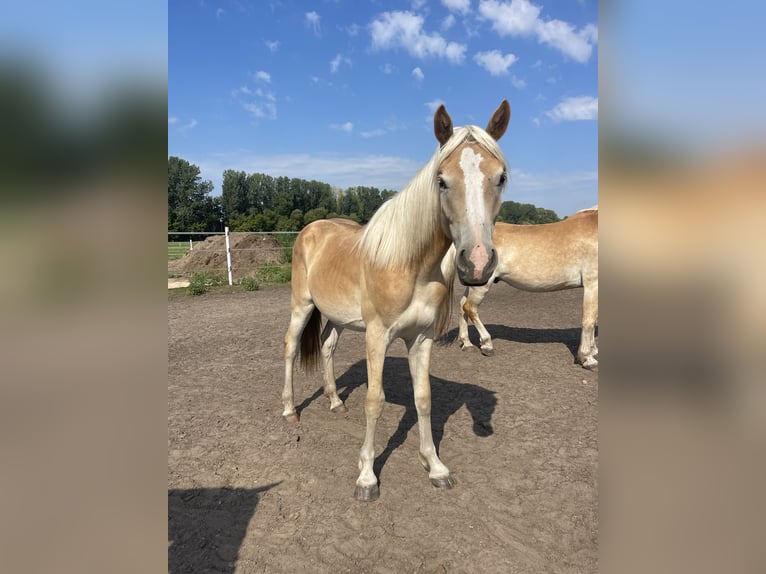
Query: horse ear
x=498, y=123
x=442, y=125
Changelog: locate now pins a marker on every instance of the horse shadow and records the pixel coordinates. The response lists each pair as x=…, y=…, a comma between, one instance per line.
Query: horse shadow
x=206, y=527
x=447, y=397
x=568, y=337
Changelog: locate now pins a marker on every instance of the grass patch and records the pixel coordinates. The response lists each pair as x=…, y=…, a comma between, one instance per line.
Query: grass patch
x=275, y=273
x=177, y=249
x=200, y=283
x=286, y=240
x=250, y=283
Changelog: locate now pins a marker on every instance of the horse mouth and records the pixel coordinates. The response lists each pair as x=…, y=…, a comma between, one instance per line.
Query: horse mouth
x=469, y=281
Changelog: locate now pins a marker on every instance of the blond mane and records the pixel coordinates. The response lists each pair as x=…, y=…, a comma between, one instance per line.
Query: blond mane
x=401, y=230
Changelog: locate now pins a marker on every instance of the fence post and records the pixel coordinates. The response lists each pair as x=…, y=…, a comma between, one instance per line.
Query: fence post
x=190, y=244
x=228, y=255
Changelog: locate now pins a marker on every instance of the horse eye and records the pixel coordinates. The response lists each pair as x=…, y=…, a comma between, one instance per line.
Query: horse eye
x=442, y=184
x=503, y=179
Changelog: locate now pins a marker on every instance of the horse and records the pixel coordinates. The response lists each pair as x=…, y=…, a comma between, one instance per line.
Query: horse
x=547, y=257
x=389, y=278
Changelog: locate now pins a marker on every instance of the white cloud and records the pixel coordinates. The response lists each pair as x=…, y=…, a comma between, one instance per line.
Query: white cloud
x=260, y=103
x=462, y=6
x=353, y=30
x=374, y=133
x=337, y=61
x=348, y=127
x=219, y=12
x=417, y=73
x=387, y=69
x=577, y=108
x=273, y=46
x=392, y=30
x=313, y=22
x=495, y=62
x=262, y=76
x=522, y=18
x=182, y=129
x=261, y=109
x=174, y=121
x=564, y=37
x=517, y=18
x=242, y=90
x=518, y=83
x=448, y=22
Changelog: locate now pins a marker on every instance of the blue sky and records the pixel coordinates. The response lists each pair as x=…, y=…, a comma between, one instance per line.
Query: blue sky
x=344, y=91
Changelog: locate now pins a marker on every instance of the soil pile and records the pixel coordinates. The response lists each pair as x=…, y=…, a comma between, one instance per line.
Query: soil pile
x=248, y=252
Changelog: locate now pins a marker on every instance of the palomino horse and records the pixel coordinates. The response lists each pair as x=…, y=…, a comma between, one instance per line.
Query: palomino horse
x=548, y=257
x=386, y=278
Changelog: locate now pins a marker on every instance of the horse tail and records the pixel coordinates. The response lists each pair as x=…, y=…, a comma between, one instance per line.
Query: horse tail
x=311, y=342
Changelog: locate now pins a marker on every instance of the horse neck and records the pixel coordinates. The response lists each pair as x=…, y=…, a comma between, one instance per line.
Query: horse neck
x=406, y=229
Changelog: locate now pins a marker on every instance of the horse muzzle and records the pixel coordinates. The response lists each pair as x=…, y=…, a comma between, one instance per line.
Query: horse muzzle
x=477, y=267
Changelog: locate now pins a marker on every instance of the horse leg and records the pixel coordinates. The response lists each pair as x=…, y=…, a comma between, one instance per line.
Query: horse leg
x=588, y=352
x=298, y=319
x=330, y=337
x=419, y=358
x=463, y=339
x=367, y=484
x=470, y=306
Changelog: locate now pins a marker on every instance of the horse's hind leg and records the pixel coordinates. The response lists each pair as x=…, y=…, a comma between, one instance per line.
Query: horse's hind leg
x=330, y=337
x=469, y=306
x=588, y=352
x=419, y=358
x=301, y=313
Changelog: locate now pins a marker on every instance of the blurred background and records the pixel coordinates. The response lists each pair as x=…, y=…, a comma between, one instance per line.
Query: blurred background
x=682, y=188
x=83, y=106
x=682, y=170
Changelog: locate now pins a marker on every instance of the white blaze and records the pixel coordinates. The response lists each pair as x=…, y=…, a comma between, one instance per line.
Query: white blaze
x=473, y=177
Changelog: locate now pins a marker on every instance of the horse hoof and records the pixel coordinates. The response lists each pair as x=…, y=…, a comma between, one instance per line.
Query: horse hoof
x=367, y=493
x=341, y=408
x=487, y=352
x=590, y=364
x=291, y=418
x=444, y=483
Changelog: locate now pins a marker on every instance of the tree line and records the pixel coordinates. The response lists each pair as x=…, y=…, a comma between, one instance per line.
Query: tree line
x=260, y=202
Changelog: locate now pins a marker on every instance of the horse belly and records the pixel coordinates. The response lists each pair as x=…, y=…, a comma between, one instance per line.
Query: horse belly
x=542, y=280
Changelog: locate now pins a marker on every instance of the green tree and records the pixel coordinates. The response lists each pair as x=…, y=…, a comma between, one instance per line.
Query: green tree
x=234, y=200
x=190, y=208
x=525, y=214
x=314, y=214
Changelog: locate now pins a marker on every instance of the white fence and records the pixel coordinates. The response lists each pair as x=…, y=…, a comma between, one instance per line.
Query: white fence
x=239, y=254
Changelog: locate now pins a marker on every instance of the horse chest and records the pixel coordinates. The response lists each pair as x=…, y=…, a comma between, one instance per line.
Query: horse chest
x=420, y=310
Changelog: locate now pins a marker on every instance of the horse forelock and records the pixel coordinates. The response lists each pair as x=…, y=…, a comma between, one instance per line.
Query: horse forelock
x=402, y=229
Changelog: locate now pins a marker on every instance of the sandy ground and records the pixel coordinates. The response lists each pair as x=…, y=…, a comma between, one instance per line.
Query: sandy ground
x=248, y=492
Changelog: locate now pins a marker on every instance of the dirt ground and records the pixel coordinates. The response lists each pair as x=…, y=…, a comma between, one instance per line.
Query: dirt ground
x=248, y=492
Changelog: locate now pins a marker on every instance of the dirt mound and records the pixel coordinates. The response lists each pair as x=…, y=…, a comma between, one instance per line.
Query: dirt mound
x=248, y=252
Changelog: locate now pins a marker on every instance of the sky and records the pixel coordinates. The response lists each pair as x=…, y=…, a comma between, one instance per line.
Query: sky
x=344, y=91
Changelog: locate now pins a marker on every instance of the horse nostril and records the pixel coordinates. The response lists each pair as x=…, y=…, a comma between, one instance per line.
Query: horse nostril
x=462, y=254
